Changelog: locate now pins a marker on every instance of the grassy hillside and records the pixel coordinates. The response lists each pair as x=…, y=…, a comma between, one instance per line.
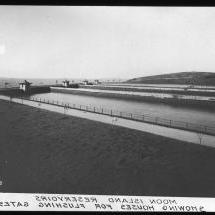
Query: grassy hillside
x=196, y=78
x=47, y=152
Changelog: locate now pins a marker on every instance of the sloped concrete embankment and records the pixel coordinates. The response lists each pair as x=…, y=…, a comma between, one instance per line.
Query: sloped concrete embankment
x=16, y=92
x=197, y=104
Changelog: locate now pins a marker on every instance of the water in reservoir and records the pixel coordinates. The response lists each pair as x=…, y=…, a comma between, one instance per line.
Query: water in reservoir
x=204, y=117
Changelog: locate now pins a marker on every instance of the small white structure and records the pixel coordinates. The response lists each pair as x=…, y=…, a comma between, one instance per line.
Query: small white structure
x=85, y=82
x=97, y=82
x=66, y=83
x=24, y=86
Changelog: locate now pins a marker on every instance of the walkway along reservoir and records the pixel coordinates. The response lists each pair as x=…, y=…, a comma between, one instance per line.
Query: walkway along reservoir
x=179, y=134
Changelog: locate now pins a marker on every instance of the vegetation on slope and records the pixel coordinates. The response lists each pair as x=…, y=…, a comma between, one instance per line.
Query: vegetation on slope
x=190, y=78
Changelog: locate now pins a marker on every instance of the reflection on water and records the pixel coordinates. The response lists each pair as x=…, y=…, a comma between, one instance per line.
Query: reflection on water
x=204, y=117
x=163, y=88
x=149, y=94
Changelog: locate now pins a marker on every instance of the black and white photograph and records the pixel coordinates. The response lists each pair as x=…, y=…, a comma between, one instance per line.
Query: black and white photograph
x=108, y=101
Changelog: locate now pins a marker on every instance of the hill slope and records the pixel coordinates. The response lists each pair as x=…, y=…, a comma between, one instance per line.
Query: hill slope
x=196, y=78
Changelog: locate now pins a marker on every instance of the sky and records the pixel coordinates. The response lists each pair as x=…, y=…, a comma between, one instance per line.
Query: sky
x=105, y=42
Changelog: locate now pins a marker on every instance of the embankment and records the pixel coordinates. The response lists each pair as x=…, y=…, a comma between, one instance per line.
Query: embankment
x=16, y=92
x=132, y=89
x=172, y=101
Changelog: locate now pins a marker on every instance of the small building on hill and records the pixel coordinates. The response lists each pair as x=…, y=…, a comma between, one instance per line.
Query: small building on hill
x=85, y=82
x=97, y=82
x=66, y=83
x=25, y=86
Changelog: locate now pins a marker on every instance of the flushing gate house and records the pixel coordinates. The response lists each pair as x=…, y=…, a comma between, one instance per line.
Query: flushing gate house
x=66, y=83
x=25, y=86
x=97, y=82
x=85, y=82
